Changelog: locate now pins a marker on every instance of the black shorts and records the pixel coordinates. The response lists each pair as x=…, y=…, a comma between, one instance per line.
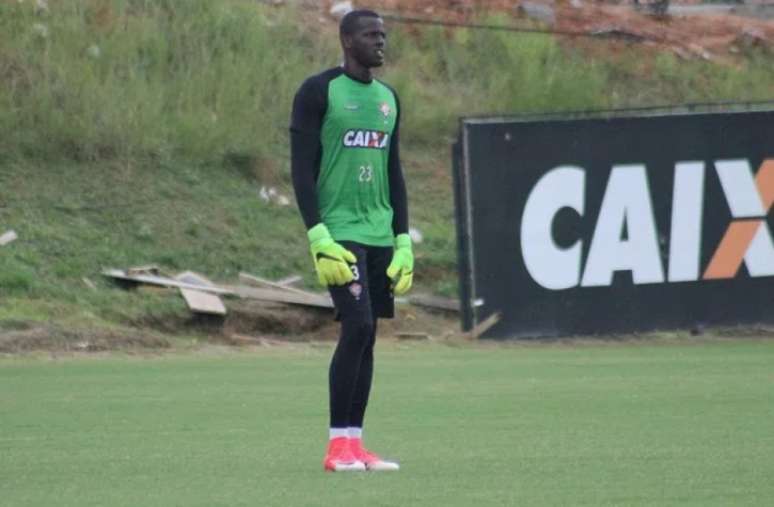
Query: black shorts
x=370, y=293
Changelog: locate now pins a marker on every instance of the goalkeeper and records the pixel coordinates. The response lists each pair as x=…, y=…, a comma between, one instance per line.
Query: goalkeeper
x=349, y=186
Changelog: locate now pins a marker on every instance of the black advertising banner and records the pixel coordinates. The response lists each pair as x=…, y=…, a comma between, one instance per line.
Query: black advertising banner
x=618, y=222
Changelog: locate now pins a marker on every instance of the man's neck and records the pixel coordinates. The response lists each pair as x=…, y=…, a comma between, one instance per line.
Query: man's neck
x=357, y=72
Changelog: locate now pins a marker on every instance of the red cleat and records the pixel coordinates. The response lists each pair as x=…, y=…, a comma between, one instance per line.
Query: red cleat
x=339, y=457
x=372, y=461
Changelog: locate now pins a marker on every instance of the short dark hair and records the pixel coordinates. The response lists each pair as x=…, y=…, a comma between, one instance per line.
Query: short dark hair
x=348, y=23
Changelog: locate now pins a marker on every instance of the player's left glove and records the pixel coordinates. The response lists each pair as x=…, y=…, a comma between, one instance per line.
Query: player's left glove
x=401, y=269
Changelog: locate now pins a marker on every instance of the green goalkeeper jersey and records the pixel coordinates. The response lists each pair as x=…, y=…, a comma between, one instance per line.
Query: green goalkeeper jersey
x=356, y=122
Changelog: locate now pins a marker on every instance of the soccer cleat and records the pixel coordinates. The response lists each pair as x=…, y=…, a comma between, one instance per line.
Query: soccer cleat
x=339, y=457
x=372, y=461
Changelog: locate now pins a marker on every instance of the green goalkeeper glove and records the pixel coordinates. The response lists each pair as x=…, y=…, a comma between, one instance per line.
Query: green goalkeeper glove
x=401, y=269
x=330, y=259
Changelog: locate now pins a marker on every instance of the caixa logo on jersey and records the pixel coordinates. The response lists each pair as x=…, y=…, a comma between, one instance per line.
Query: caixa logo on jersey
x=359, y=138
x=627, y=204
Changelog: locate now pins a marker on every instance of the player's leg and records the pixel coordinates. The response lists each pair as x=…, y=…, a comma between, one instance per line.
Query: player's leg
x=382, y=305
x=362, y=387
x=345, y=371
x=353, y=309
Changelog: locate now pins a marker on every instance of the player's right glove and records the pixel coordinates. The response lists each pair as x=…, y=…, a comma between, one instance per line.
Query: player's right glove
x=331, y=260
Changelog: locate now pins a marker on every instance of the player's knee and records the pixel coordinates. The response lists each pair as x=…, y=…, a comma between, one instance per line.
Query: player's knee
x=360, y=330
x=365, y=331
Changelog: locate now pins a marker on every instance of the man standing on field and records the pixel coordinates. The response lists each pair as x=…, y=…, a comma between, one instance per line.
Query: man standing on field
x=350, y=190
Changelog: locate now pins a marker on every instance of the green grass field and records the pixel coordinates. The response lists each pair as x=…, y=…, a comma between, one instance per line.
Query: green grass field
x=634, y=424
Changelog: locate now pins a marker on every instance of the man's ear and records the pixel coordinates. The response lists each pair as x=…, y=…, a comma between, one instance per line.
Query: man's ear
x=346, y=41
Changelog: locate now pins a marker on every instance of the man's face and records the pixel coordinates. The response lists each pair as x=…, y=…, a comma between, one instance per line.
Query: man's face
x=368, y=41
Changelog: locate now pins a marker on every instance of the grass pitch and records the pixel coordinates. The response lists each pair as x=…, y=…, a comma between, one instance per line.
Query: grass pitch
x=679, y=424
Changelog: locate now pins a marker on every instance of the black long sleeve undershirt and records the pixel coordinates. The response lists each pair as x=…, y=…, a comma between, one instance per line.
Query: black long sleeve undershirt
x=305, y=155
x=309, y=107
x=398, y=197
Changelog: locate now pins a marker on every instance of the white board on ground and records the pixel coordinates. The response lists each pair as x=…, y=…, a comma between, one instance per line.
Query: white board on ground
x=203, y=302
x=7, y=237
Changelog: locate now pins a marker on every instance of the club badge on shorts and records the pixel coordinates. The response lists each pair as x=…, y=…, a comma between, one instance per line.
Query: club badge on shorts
x=356, y=290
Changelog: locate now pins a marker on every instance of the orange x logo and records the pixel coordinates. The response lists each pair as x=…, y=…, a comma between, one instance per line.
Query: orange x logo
x=741, y=233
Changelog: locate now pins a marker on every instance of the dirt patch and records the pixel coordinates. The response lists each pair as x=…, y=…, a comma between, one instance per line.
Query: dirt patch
x=762, y=331
x=293, y=323
x=265, y=327
x=55, y=339
x=249, y=323
x=701, y=36
x=245, y=316
x=285, y=323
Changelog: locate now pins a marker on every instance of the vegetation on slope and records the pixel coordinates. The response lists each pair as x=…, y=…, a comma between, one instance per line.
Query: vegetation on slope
x=142, y=131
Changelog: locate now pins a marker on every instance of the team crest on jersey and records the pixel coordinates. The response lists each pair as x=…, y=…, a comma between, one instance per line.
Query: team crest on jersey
x=359, y=138
x=385, y=109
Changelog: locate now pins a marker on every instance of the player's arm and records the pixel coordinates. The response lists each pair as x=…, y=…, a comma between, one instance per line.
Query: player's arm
x=309, y=106
x=306, y=150
x=398, y=196
x=401, y=269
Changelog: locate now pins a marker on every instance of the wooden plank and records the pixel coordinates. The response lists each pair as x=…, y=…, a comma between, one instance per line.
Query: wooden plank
x=194, y=279
x=203, y=302
x=148, y=269
x=484, y=326
x=280, y=296
x=7, y=237
x=289, y=280
x=435, y=302
x=162, y=281
x=246, y=277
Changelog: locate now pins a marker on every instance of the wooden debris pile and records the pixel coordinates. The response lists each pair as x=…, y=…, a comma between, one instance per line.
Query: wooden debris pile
x=209, y=300
x=204, y=296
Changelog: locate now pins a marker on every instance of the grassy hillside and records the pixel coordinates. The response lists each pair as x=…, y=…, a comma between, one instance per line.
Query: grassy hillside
x=142, y=131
